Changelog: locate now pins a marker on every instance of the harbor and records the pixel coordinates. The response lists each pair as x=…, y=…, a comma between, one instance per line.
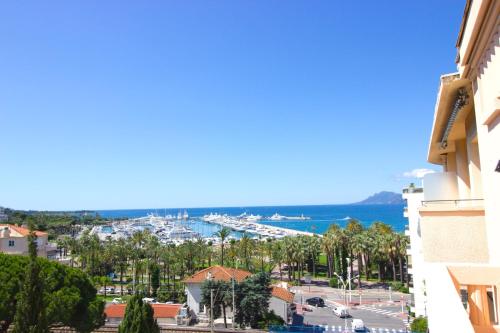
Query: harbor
x=177, y=229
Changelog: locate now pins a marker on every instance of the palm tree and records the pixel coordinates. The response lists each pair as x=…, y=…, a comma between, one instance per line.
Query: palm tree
x=223, y=233
x=245, y=249
x=353, y=228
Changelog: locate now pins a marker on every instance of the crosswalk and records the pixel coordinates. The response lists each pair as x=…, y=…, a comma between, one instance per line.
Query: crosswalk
x=341, y=329
x=380, y=311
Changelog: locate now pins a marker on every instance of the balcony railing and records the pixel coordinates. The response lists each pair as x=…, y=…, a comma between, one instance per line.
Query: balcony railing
x=413, y=190
x=459, y=203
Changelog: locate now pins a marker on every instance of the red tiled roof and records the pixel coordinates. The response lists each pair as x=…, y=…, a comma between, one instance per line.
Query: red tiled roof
x=22, y=231
x=159, y=310
x=218, y=273
x=115, y=310
x=283, y=294
x=166, y=310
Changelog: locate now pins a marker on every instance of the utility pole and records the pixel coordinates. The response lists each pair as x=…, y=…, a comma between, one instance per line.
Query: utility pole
x=349, y=277
x=211, y=310
x=234, y=307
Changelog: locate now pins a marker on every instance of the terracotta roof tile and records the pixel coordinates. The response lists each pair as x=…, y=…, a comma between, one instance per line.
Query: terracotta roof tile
x=283, y=294
x=218, y=273
x=22, y=231
x=115, y=310
x=166, y=310
x=159, y=310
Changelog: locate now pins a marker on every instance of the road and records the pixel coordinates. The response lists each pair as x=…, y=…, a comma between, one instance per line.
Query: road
x=377, y=311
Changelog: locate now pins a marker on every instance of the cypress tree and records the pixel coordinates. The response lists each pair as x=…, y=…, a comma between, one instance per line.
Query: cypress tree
x=30, y=314
x=155, y=279
x=138, y=317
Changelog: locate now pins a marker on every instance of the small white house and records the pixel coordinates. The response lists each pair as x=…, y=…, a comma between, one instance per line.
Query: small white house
x=193, y=284
x=281, y=303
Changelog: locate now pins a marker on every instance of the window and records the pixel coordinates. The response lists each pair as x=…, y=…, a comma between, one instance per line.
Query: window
x=492, y=304
x=11, y=243
x=464, y=296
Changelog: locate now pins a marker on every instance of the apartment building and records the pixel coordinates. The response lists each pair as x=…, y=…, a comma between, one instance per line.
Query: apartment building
x=459, y=217
x=414, y=196
x=14, y=240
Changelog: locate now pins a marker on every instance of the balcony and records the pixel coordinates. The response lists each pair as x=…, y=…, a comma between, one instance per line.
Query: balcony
x=453, y=205
x=454, y=231
x=413, y=190
x=405, y=212
x=407, y=230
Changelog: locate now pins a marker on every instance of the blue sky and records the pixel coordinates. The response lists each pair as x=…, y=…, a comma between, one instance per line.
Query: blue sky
x=115, y=104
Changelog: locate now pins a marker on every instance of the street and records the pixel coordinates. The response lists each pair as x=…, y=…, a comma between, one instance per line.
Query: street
x=380, y=309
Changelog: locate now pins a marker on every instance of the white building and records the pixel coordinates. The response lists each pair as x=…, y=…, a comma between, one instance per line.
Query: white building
x=194, y=282
x=414, y=196
x=280, y=302
x=460, y=214
x=14, y=240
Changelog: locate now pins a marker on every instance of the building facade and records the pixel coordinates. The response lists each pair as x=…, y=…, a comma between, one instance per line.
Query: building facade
x=281, y=303
x=194, y=282
x=460, y=212
x=414, y=197
x=14, y=240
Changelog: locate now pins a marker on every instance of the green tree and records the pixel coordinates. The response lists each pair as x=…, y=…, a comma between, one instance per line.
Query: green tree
x=138, y=317
x=31, y=316
x=155, y=278
x=219, y=290
x=419, y=325
x=223, y=233
x=252, y=300
x=69, y=295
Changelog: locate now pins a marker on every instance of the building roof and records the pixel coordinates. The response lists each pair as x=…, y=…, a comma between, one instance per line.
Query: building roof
x=22, y=231
x=218, y=273
x=159, y=310
x=282, y=294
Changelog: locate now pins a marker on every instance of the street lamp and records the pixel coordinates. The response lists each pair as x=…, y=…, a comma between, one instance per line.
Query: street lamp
x=344, y=285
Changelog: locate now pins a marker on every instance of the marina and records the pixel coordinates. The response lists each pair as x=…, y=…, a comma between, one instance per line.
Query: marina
x=176, y=229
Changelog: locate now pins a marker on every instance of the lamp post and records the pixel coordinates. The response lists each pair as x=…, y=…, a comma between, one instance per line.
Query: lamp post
x=344, y=285
x=211, y=278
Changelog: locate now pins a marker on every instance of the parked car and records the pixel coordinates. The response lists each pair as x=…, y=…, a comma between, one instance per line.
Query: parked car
x=149, y=300
x=341, y=311
x=118, y=300
x=316, y=301
x=358, y=325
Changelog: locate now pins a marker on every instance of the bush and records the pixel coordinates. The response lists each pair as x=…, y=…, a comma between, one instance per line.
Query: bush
x=398, y=286
x=419, y=325
x=270, y=319
x=334, y=282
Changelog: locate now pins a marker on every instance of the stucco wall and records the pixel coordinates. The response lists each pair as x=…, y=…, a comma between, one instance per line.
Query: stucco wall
x=193, y=297
x=454, y=238
x=443, y=302
x=279, y=307
x=414, y=201
x=487, y=102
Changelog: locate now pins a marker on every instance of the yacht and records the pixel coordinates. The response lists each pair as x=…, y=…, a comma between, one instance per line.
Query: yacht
x=277, y=217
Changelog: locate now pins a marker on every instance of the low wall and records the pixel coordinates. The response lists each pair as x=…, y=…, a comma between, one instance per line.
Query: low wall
x=173, y=329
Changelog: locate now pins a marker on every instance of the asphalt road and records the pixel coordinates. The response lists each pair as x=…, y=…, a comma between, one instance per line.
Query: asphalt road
x=376, y=310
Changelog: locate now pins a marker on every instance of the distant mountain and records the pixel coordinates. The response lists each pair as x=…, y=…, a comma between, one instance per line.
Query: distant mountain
x=383, y=198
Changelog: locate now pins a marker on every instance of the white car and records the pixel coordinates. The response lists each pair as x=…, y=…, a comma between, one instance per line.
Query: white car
x=149, y=300
x=358, y=325
x=341, y=311
x=117, y=301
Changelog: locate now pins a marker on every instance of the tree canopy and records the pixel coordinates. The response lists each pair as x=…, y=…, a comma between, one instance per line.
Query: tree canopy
x=138, y=317
x=69, y=297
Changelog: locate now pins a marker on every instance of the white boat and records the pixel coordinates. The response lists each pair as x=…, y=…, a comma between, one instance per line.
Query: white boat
x=277, y=217
x=252, y=217
x=185, y=216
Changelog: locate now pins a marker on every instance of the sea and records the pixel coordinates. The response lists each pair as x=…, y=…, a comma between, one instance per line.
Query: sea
x=321, y=216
